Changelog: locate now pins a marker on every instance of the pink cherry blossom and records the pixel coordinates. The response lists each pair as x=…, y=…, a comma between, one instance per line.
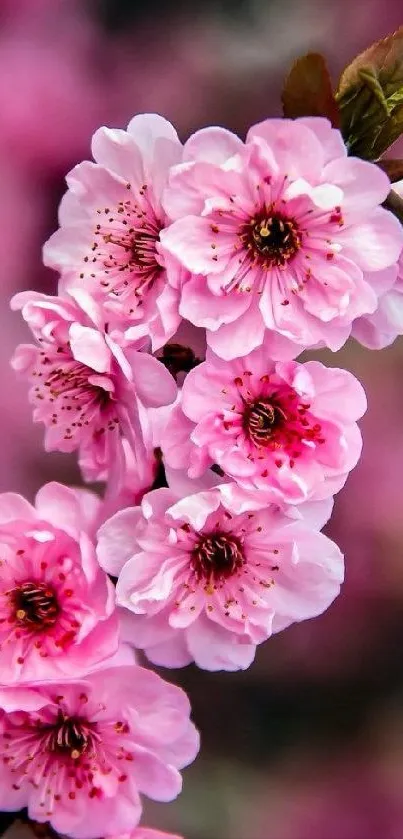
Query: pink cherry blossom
x=283, y=236
x=111, y=219
x=78, y=753
x=382, y=327
x=88, y=390
x=285, y=430
x=57, y=614
x=206, y=584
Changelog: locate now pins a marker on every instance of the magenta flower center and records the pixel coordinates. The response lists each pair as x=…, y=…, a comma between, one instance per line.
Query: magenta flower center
x=60, y=753
x=261, y=418
x=271, y=239
x=35, y=606
x=278, y=422
x=217, y=555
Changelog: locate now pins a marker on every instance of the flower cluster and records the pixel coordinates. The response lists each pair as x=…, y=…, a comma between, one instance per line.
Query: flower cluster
x=190, y=279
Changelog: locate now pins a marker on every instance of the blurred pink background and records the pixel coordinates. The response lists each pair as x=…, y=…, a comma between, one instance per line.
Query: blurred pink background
x=308, y=744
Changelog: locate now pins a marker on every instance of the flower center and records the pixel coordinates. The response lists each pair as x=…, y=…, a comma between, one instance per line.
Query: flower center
x=143, y=249
x=125, y=251
x=71, y=380
x=70, y=736
x=272, y=239
x=217, y=555
x=35, y=606
x=80, y=406
x=261, y=418
x=61, y=753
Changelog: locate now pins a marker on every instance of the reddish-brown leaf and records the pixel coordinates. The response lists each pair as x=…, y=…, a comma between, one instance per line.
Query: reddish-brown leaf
x=308, y=90
x=395, y=204
x=393, y=168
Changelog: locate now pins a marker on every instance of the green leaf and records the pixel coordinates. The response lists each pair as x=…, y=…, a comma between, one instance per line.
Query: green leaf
x=308, y=90
x=393, y=168
x=370, y=98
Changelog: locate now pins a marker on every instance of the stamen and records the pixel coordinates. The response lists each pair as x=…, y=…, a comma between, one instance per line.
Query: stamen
x=35, y=605
x=260, y=420
x=273, y=239
x=278, y=422
x=217, y=555
x=124, y=253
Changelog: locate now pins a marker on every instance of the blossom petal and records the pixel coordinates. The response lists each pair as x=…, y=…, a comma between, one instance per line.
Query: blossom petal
x=296, y=148
x=364, y=185
x=330, y=138
x=154, y=384
x=202, y=308
x=61, y=505
x=189, y=240
x=116, y=150
x=212, y=145
x=239, y=338
x=88, y=346
x=117, y=540
x=146, y=129
x=375, y=243
x=14, y=506
x=215, y=648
